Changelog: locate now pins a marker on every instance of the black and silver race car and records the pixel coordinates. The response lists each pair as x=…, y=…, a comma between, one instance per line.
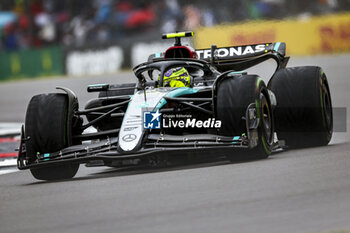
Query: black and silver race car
x=224, y=109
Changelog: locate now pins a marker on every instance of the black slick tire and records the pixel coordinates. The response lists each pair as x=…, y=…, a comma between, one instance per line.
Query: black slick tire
x=233, y=97
x=46, y=127
x=303, y=115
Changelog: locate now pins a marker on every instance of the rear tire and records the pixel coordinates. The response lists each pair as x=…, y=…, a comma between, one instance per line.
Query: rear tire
x=233, y=97
x=303, y=114
x=46, y=126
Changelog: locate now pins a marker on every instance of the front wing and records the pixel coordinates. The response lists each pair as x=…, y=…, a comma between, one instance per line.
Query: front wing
x=106, y=151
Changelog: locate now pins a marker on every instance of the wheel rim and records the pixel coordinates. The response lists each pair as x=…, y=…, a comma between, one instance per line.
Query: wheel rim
x=266, y=120
x=327, y=107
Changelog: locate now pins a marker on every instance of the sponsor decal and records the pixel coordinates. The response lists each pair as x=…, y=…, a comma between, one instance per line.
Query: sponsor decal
x=130, y=128
x=129, y=137
x=232, y=51
x=335, y=38
x=254, y=37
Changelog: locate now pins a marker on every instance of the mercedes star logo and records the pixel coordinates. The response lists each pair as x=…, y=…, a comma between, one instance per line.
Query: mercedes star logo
x=129, y=137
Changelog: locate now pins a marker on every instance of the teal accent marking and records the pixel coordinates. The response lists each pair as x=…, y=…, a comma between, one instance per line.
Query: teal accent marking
x=97, y=85
x=235, y=138
x=175, y=93
x=157, y=55
x=161, y=103
x=235, y=73
x=46, y=155
x=144, y=105
x=277, y=45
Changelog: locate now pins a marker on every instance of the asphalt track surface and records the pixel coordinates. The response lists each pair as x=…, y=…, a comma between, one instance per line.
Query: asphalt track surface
x=304, y=191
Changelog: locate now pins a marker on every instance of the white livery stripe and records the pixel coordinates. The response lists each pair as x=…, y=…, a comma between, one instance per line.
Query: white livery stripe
x=131, y=130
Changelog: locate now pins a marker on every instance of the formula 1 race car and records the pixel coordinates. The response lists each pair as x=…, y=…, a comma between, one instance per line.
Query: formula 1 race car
x=221, y=108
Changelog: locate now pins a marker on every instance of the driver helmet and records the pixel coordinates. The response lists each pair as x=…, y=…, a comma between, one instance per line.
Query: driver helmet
x=177, y=77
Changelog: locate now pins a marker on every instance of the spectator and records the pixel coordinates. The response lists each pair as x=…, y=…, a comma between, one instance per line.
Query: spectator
x=38, y=23
x=171, y=17
x=192, y=18
x=10, y=38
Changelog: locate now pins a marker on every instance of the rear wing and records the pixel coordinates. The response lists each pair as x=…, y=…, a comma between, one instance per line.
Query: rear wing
x=234, y=52
x=239, y=57
x=241, y=52
x=243, y=57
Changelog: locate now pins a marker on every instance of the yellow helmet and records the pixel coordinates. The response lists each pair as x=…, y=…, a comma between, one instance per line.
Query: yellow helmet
x=177, y=77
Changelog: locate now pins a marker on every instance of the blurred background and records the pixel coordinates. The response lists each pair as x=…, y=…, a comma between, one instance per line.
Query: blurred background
x=80, y=37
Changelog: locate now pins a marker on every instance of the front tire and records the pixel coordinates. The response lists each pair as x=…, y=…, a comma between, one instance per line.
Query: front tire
x=233, y=97
x=46, y=126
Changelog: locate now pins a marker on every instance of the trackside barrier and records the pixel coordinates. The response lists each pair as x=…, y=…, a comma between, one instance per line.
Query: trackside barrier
x=94, y=61
x=308, y=36
x=141, y=51
x=31, y=63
